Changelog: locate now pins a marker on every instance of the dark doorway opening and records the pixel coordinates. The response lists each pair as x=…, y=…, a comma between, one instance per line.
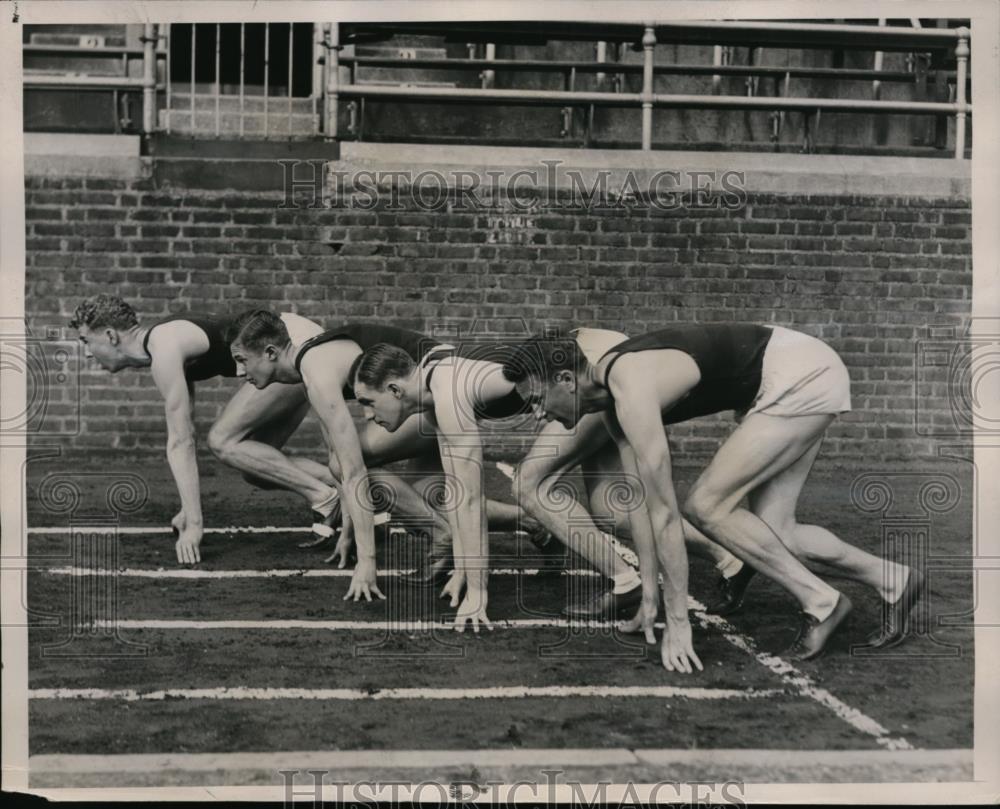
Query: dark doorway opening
x=254, y=36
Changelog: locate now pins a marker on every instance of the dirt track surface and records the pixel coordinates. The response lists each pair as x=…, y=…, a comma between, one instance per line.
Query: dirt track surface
x=921, y=691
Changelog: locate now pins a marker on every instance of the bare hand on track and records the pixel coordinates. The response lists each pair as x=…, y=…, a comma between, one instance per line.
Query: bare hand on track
x=188, y=546
x=453, y=589
x=677, y=651
x=473, y=613
x=642, y=621
x=342, y=549
x=363, y=582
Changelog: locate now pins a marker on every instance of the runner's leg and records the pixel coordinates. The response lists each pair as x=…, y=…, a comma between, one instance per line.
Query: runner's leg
x=759, y=449
x=818, y=548
x=250, y=430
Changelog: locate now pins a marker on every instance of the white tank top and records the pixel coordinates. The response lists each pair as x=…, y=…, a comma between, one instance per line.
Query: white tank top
x=299, y=328
x=595, y=343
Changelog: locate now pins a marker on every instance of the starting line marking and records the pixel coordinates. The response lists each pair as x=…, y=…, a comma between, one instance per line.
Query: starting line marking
x=792, y=678
x=61, y=530
x=353, y=694
x=789, y=675
x=800, y=683
x=339, y=626
x=163, y=573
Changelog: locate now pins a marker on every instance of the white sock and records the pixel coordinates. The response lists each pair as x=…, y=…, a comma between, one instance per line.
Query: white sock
x=325, y=507
x=729, y=567
x=624, y=582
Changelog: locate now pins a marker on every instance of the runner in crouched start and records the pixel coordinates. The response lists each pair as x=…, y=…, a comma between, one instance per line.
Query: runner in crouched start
x=452, y=389
x=587, y=444
x=265, y=354
x=187, y=348
x=789, y=387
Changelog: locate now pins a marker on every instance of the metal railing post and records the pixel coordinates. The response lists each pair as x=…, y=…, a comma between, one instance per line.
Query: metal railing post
x=879, y=62
x=291, y=68
x=194, y=65
x=316, y=87
x=489, y=76
x=961, y=72
x=243, y=66
x=267, y=78
x=648, y=43
x=217, y=86
x=331, y=38
x=168, y=41
x=148, y=79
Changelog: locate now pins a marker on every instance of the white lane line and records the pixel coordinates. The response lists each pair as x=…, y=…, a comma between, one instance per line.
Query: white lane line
x=498, y=692
x=799, y=682
x=61, y=530
x=387, y=625
x=162, y=573
x=788, y=674
x=624, y=552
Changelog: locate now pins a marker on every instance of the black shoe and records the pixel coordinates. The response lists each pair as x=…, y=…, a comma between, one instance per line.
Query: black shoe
x=550, y=553
x=606, y=606
x=732, y=591
x=323, y=528
x=432, y=571
x=897, y=623
x=814, y=634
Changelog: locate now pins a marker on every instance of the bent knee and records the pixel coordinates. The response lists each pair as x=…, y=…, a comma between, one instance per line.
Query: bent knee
x=703, y=508
x=220, y=442
x=532, y=489
x=524, y=481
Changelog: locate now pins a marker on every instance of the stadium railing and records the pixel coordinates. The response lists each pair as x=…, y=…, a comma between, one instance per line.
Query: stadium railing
x=802, y=35
x=335, y=72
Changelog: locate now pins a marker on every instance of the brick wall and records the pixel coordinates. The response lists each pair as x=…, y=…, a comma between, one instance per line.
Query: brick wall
x=868, y=274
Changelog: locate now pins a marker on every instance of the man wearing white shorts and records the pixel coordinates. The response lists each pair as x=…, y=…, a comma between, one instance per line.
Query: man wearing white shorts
x=790, y=390
x=190, y=347
x=588, y=444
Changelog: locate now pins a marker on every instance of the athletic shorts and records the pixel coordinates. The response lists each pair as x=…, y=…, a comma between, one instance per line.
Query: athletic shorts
x=801, y=376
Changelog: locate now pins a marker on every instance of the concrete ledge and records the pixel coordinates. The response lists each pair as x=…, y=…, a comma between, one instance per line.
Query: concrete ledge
x=762, y=173
x=588, y=766
x=206, y=164
x=48, y=154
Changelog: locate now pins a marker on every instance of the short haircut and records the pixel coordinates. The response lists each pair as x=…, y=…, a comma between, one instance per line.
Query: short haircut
x=258, y=328
x=382, y=363
x=542, y=357
x=102, y=311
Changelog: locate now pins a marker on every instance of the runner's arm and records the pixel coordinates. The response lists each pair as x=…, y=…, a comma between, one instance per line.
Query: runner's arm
x=168, y=374
x=639, y=524
x=327, y=400
x=638, y=410
x=462, y=459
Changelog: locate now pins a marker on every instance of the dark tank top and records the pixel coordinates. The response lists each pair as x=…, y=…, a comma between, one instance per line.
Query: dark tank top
x=217, y=361
x=729, y=357
x=367, y=335
x=506, y=406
